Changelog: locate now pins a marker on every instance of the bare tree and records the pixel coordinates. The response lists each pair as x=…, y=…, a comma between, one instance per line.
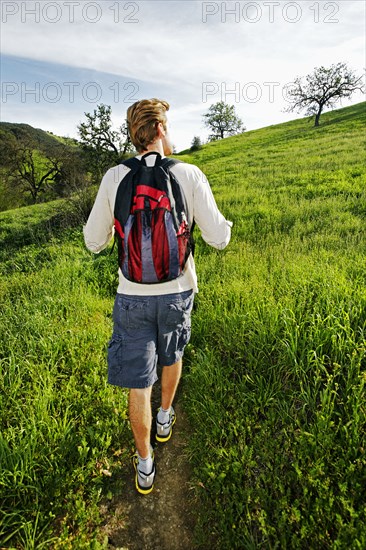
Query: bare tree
x=323, y=88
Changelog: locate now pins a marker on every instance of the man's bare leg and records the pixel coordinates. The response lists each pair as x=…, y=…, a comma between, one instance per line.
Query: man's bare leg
x=169, y=382
x=140, y=419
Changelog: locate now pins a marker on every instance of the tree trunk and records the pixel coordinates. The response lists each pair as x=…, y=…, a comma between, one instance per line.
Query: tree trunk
x=34, y=194
x=317, y=116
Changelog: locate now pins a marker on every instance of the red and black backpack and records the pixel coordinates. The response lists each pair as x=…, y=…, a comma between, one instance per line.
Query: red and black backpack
x=151, y=222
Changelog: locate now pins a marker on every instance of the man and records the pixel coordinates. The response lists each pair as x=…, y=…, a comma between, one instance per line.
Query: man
x=152, y=322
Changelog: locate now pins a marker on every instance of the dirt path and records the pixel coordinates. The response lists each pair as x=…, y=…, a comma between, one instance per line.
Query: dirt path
x=164, y=519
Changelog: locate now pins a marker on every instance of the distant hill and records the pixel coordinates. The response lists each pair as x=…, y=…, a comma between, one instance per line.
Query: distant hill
x=45, y=145
x=45, y=140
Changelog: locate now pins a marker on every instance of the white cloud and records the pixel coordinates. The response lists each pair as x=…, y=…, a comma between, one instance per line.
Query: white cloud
x=171, y=49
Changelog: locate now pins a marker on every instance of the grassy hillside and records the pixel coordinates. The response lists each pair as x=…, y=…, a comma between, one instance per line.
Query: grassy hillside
x=279, y=339
x=46, y=140
x=274, y=381
x=14, y=191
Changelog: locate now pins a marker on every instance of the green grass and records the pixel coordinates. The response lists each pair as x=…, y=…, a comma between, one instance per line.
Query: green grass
x=274, y=382
x=279, y=340
x=63, y=429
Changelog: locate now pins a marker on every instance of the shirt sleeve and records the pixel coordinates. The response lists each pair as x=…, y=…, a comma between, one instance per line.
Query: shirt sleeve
x=99, y=229
x=215, y=229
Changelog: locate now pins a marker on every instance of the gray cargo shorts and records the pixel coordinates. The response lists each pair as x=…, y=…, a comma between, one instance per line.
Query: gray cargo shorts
x=147, y=331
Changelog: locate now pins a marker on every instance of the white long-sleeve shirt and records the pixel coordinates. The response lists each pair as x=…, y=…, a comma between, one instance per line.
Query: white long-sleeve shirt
x=202, y=208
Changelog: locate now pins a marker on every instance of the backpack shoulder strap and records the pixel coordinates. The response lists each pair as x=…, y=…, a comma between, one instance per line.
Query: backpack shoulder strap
x=124, y=193
x=175, y=192
x=132, y=163
x=167, y=162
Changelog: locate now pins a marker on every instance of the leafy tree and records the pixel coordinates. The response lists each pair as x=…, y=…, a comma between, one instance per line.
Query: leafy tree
x=30, y=169
x=196, y=144
x=8, y=197
x=71, y=174
x=222, y=119
x=8, y=144
x=323, y=88
x=102, y=145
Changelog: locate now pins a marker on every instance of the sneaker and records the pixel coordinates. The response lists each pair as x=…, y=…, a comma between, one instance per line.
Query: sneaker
x=164, y=431
x=144, y=482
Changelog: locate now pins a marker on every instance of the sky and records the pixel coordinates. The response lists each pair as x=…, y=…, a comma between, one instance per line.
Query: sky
x=60, y=59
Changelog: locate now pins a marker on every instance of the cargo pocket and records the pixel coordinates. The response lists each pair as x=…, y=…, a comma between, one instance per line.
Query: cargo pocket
x=115, y=352
x=116, y=368
x=179, y=312
x=185, y=335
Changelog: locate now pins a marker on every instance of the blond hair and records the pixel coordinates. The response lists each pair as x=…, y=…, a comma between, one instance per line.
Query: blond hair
x=143, y=118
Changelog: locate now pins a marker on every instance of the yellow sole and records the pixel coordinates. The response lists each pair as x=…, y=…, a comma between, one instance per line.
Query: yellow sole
x=143, y=491
x=139, y=489
x=164, y=439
